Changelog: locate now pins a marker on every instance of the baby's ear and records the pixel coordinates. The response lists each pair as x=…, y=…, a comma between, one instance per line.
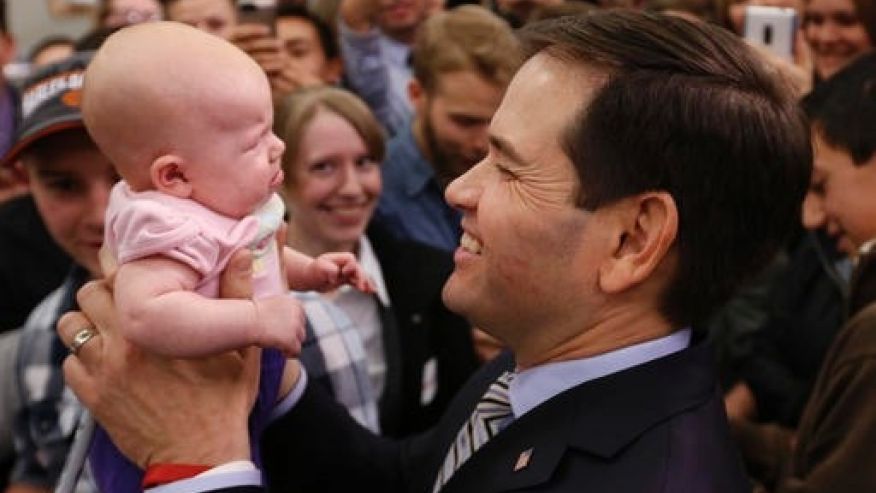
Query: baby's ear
x=169, y=176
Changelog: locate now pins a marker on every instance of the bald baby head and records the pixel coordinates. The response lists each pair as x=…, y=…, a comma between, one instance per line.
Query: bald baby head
x=164, y=88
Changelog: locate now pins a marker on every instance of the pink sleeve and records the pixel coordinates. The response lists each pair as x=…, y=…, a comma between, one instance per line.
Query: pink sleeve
x=147, y=228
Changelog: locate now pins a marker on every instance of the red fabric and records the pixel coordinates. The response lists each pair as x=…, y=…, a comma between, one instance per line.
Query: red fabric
x=159, y=474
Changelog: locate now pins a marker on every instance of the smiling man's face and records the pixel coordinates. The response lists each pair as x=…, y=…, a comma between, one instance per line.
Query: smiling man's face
x=528, y=255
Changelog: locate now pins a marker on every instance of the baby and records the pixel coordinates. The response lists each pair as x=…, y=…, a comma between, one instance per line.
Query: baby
x=186, y=118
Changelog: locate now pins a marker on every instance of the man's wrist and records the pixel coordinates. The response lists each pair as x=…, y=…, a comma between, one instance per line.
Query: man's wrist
x=291, y=399
x=223, y=441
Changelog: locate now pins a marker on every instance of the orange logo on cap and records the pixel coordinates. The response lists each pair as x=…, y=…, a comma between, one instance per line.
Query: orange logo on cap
x=72, y=98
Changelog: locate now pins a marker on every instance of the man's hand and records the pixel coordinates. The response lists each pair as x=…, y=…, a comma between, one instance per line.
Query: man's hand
x=740, y=403
x=258, y=42
x=284, y=73
x=160, y=410
x=359, y=15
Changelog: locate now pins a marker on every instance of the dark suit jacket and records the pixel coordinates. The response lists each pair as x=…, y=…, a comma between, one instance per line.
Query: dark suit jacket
x=419, y=333
x=655, y=427
x=32, y=265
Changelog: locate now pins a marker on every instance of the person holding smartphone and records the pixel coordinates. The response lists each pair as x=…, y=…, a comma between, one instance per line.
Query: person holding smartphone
x=294, y=47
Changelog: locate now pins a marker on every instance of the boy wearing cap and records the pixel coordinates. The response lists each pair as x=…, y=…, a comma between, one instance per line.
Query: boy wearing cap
x=70, y=181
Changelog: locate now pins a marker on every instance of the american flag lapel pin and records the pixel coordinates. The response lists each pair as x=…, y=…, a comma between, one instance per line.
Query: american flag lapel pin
x=523, y=460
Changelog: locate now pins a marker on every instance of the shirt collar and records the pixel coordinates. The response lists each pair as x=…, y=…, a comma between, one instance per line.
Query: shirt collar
x=535, y=385
x=369, y=263
x=418, y=171
x=394, y=51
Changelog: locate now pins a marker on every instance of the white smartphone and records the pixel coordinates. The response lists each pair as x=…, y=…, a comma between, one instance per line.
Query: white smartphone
x=773, y=28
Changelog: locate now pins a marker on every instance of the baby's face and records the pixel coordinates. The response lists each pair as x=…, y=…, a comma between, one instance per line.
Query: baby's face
x=237, y=161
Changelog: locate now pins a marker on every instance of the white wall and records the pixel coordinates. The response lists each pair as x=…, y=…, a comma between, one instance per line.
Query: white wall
x=30, y=21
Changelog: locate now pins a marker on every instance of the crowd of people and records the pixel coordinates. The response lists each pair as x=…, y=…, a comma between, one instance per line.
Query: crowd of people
x=399, y=245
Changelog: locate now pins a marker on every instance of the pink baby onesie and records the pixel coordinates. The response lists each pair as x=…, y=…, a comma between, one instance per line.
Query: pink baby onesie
x=151, y=223
x=142, y=224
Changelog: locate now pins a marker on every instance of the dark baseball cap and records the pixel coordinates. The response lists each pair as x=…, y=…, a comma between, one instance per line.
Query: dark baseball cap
x=50, y=103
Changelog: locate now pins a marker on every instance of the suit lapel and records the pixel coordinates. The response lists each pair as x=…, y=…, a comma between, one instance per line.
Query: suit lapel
x=599, y=418
x=390, y=402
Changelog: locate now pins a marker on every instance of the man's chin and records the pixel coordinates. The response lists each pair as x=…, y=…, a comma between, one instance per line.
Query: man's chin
x=451, y=295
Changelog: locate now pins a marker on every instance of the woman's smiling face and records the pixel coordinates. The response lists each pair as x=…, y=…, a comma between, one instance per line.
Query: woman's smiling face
x=333, y=185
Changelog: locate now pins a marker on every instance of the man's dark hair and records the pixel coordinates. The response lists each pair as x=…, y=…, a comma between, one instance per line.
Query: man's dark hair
x=326, y=36
x=688, y=109
x=843, y=109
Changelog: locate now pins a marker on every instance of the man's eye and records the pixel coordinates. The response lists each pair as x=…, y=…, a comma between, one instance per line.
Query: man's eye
x=504, y=170
x=468, y=122
x=846, y=19
x=63, y=185
x=813, y=19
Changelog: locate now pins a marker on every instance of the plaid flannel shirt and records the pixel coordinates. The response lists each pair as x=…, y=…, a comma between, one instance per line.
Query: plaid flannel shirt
x=46, y=422
x=334, y=356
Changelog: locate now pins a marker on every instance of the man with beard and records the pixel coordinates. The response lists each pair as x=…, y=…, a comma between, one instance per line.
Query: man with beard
x=463, y=61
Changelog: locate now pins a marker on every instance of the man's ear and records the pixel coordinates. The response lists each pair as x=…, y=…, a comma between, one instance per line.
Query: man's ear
x=645, y=228
x=333, y=71
x=14, y=181
x=168, y=174
x=16, y=173
x=416, y=94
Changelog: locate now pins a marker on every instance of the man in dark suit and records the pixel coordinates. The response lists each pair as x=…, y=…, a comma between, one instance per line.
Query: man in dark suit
x=640, y=166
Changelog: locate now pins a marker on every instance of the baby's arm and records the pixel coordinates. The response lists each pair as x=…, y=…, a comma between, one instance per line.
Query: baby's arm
x=161, y=312
x=325, y=272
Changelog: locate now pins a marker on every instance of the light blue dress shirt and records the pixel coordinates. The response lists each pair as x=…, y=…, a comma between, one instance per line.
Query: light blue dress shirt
x=377, y=69
x=536, y=385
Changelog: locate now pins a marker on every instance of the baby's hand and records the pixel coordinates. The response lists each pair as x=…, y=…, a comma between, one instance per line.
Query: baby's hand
x=281, y=324
x=331, y=270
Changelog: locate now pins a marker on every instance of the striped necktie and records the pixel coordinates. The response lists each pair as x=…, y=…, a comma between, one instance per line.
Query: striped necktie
x=490, y=416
